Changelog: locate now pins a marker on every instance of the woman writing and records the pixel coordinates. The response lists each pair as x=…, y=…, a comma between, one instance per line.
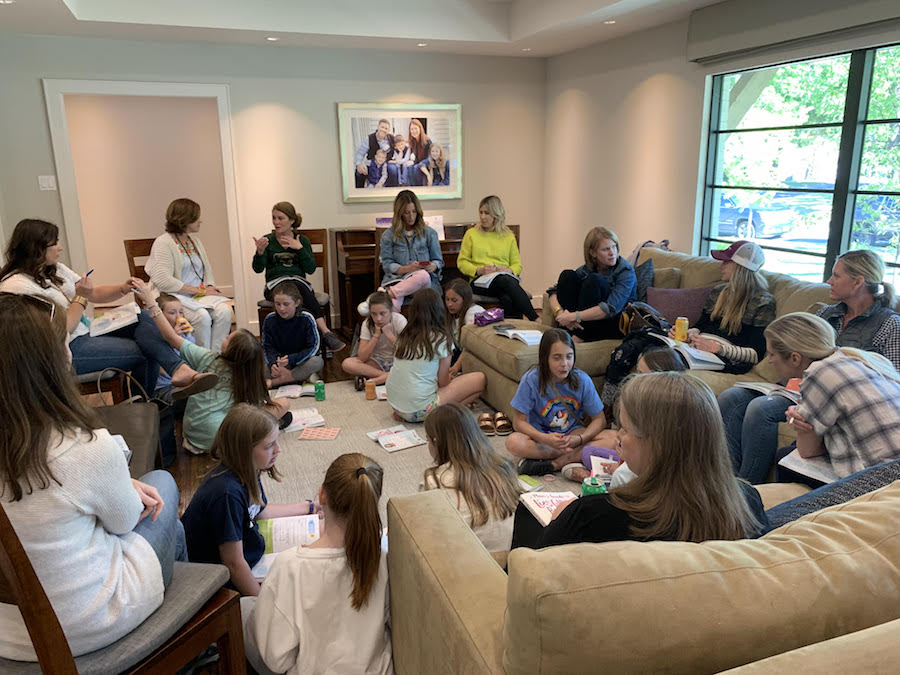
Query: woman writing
x=862, y=318
x=410, y=251
x=33, y=268
x=102, y=544
x=491, y=248
x=286, y=254
x=587, y=301
x=671, y=436
x=178, y=265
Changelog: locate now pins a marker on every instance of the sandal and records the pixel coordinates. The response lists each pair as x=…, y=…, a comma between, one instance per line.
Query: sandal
x=502, y=424
x=486, y=424
x=202, y=382
x=576, y=471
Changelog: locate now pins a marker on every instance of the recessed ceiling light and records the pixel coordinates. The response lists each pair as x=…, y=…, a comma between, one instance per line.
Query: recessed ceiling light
x=7, y=2
x=273, y=39
x=526, y=49
x=421, y=44
x=609, y=23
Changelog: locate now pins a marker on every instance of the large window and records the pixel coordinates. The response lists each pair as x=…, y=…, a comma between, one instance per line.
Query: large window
x=804, y=159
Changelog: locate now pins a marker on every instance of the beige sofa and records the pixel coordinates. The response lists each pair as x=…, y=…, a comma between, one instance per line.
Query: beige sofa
x=820, y=593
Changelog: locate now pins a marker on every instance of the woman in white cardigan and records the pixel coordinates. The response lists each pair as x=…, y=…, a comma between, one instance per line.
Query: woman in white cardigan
x=178, y=265
x=103, y=545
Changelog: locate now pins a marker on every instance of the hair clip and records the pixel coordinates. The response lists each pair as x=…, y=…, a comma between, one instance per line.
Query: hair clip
x=360, y=471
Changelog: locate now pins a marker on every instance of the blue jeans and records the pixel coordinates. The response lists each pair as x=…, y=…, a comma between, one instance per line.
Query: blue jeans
x=139, y=348
x=165, y=534
x=751, y=430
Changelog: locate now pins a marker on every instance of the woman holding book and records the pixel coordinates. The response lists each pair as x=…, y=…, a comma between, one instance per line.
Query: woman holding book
x=489, y=257
x=410, y=251
x=285, y=254
x=861, y=317
x=672, y=438
x=587, y=301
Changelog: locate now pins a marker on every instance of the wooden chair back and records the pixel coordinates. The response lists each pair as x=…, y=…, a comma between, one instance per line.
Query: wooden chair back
x=134, y=249
x=319, y=240
x=378, y=272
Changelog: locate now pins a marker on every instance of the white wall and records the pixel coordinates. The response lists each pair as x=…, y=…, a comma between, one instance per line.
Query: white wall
x=283, y=103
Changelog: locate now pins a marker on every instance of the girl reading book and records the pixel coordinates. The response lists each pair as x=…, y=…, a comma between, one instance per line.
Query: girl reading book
x=325, y=607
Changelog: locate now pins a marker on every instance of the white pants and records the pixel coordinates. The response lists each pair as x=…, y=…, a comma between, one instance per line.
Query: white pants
x=211, y=325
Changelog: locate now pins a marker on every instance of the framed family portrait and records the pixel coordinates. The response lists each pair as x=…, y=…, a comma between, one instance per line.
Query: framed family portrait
x=388, y=147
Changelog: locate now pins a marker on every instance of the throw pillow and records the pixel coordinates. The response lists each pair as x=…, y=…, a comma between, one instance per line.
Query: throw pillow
x=644, y=274
x=667, y=277
x=675, y=302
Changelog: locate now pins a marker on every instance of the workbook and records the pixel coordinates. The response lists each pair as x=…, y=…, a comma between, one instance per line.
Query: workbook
x=295, y=390
x=305, y=418
x=114, y=319
x=396, y=438
x=543, y=504
x=485, y=280
x=696, y=359
x=790, y=391
x=282, y=534
x=818, y=468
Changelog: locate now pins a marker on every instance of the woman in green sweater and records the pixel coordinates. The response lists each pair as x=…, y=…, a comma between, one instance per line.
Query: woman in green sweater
x=286, y=255
x=490, y=248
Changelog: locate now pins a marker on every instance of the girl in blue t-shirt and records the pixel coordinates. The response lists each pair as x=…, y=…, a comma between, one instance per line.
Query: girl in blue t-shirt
x=220, y=522
x=557, y=409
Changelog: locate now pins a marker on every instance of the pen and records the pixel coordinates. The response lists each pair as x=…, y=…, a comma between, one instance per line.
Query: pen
x=88, y=274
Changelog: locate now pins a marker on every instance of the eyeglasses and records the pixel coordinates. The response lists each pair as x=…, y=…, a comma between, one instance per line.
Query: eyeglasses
x=35, y=300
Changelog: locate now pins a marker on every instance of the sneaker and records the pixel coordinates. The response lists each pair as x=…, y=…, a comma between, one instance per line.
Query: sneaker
x=312, y=379
x=285, y=421
x=536, y=467
x=363, y=309
x=333, y=342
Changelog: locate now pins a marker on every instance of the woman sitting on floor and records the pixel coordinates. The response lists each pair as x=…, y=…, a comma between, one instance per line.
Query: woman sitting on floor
x=671, y=436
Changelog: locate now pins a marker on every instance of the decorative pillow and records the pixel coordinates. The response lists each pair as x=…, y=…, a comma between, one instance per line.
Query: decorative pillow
x=667, y=277
x=675, y=302
x=644, y=274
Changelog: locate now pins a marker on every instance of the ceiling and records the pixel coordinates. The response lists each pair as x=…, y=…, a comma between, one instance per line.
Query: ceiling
x=525, y=28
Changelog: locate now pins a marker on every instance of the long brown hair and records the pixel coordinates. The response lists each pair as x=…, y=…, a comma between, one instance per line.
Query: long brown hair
x=592, y=240
x=27, y=252
x=688, y=492
x=545, y=377
x=352, y=489
x=404, y=198
x=246, y=359
x=734, y=298
x=244, y=427
x=426, y=329
x=485, y=480
x=38, y=394
x=464, y=291
x=377, y=298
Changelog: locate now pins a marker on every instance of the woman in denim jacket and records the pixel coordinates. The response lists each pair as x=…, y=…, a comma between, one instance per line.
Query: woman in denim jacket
x=410, y=251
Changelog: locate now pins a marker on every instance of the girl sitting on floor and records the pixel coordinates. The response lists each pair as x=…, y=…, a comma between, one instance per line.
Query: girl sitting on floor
x=325, y=607
x=290, y=338
x=558, y=410
x=482, y=484
x=241, y=371
x=377, y=338
x=420, y=377
x=220, y=522
x=671, y=435
x=461, y=311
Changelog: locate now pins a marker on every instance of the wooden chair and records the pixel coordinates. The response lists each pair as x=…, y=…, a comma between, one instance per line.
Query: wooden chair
x=194, y=600
x=137, y=248
x=319, y=240
x=110, y=381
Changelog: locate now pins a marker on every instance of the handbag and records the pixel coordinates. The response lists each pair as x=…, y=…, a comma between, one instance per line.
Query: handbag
x=489, y=316
x=639, y=315
x=136, y=419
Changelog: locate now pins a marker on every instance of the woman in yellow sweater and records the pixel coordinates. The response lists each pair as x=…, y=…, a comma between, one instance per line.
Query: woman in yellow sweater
x=491, y=248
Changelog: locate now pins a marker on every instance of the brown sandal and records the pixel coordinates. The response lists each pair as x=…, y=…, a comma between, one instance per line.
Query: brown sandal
x=502, y=424
x=486, y=424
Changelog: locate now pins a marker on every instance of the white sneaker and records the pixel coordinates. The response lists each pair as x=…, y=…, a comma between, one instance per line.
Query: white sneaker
x=363, y=308
x=191, y=449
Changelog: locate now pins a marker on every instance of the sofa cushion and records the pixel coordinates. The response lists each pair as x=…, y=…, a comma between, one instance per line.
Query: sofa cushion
x=644, y=275
x=675, y=302
x=705, y=607
x=667, y=277
x=802, y=298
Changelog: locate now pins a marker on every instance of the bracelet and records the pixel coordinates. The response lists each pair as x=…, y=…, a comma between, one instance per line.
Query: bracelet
x=577, y=318
x=312, y=506
x=81, y=300
x=557, y=310
x=154, y=310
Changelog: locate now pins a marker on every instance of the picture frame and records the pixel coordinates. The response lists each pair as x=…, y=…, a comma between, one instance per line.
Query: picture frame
x=376, y=165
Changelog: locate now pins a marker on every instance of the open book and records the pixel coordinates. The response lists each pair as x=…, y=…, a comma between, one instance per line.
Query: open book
x=114, y=319
x=396, y=438
x=282, y=534
x=300, y=280
x=305, y=418
x=791, y=391
x=202, y=302
x=485, y=280
x=529, y=337
x=818, y=468
x=543, y=504
x=295, y=390
x=696, y=359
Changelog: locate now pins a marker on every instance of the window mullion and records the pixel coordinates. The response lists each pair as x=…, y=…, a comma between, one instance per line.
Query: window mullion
x=712, y=153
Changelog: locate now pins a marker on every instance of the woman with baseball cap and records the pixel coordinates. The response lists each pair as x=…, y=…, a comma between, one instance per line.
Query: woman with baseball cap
x=737, y=311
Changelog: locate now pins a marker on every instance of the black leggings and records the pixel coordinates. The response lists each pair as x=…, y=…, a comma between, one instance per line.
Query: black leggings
x=574, y=294
x=513, y=299
x=307, y=297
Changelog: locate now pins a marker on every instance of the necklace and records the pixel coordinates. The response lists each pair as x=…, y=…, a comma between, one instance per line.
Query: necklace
x=190, y=250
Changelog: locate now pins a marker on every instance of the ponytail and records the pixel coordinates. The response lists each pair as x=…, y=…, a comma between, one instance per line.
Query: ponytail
x=353, y=487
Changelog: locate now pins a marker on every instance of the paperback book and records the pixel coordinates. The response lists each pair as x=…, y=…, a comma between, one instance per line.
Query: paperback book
x=818, y=468
x=396, y=438
x=282, y=534
x=790, y=391
x=485, y=280
x=543, y=504
x=304, y=419
x=696, y=359
x=529, y=337
x=114, y=319
x=295, y=390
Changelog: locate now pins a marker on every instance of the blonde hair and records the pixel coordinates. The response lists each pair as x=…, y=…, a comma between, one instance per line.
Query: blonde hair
x=870, y=267
x=486, y=481
x=592, y=239
x=352, y=488
x=442, y=162
x=244, y=427
x=688, y=492
x=732, y=301
x=495, y=207
x=812, y=337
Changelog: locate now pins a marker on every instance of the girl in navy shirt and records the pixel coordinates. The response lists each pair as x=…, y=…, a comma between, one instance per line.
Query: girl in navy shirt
x=290, y=339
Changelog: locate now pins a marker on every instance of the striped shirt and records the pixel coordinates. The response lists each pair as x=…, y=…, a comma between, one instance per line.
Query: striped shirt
x=855, y=410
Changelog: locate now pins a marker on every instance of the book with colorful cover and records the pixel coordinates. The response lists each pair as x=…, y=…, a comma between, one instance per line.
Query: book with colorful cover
x=542, y=505
x=401, y=440
x=281, y=534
